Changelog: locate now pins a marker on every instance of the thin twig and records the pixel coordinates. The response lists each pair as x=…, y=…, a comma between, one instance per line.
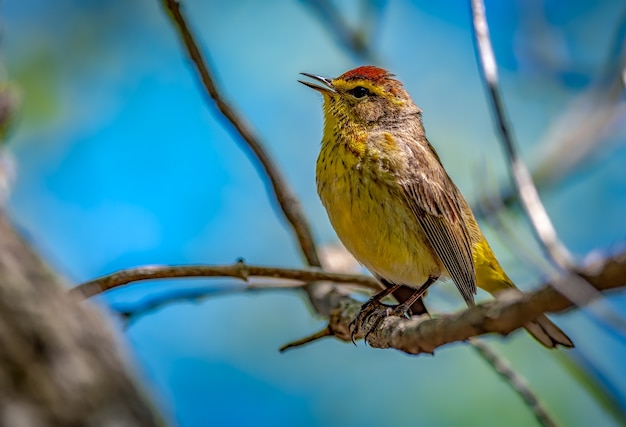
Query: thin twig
x=323, y=333
x=605, y=387
x=241, y=131
x=566, y=281
x=516, y=381
x=133, y=311
x=583, y=127
x=490, y=206
x=353, y=41
x=536, y=212
x=239, y=270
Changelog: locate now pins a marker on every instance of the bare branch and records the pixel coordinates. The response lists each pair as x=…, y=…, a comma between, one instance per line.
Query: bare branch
x=353, y=41
x=131, y=312
x=239, y=270
x=582, y=128
x=536, y=212
x=326, y=332
x=579, y=132
x=242, y=132
x=508, y=312
x=516, y=381
x=566, y=281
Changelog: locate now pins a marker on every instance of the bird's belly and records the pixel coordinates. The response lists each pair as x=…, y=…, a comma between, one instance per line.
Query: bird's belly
x=378, y=228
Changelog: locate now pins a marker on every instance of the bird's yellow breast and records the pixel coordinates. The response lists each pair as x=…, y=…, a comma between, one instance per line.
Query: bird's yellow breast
x=367, y=210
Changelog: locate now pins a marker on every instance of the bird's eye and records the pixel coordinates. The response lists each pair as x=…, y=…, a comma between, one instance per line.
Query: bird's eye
x=359, y=92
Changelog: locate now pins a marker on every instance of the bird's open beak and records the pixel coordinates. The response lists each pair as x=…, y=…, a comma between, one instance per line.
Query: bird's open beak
x=328, y=90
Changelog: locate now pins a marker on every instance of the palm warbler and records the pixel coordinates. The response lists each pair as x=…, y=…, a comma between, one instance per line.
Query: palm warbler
x=392, y=203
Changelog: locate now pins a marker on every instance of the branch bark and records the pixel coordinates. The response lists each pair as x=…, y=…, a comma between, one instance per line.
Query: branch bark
x=508, y=312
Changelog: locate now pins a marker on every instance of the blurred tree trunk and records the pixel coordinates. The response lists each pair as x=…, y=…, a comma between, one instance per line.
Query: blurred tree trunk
x=60, y=364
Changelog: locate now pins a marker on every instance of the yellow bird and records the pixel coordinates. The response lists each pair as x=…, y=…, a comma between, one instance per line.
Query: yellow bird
x=392, y=203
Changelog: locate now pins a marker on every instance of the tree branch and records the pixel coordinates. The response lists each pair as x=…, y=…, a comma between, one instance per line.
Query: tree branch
x=581, y=130
x=508, y=312
x=536, y=212
x=353, y=41
x=566, y=281
x=516, y=381
x=252, y=145
x=239, y=270
x=511, y=310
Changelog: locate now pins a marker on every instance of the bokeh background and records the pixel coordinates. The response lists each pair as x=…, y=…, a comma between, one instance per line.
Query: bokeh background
x=121, y=163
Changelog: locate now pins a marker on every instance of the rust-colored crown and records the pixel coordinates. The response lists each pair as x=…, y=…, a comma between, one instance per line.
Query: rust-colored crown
x=367, y=72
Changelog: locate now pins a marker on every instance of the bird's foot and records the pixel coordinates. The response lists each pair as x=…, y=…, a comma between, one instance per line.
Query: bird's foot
x=372, y=313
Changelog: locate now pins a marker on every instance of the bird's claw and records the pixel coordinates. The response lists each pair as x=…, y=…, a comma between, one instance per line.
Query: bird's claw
x=363, y=316
x=372, y=313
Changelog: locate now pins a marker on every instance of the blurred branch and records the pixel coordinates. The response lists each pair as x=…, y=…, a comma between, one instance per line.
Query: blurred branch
x=567, y=281
x=579, y=132
x=131, y=312
x=584, y=126
x=287, y=201
x=606, y=389
x=492, y=209
x=354, y=41
x=540, y=221
x=516, y=381
x=61, y=364
x=10, y=100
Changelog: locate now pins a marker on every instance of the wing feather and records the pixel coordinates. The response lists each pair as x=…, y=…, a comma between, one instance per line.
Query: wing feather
x=437, y=210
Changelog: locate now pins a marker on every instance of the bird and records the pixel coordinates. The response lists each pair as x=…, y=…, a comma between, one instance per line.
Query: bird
x=392, y=203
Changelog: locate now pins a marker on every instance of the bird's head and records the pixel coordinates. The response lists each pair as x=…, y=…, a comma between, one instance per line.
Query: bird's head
x=366, y=95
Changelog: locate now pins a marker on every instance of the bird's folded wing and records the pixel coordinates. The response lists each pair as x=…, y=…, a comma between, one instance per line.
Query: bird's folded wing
x=438, y=212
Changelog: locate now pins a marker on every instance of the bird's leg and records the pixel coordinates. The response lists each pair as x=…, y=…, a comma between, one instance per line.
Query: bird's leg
x=369, y=308
x=401, y=310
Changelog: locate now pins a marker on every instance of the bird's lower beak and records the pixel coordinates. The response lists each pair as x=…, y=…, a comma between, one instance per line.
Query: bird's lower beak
x=328, y=90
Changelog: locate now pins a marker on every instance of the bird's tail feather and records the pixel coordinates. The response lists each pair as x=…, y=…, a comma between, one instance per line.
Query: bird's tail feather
x=547, y=333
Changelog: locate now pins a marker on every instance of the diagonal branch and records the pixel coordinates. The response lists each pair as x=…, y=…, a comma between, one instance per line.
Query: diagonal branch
x=240, y=130
x=353, y=41
x=508, y=312
x=567, y=281
x=517, y=382
x=536, y=212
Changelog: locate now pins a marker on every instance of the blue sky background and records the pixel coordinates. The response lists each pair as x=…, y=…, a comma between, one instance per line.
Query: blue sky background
x=121, y=163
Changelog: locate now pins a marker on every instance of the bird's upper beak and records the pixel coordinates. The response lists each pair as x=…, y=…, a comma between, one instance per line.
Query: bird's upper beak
x=328, y=90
